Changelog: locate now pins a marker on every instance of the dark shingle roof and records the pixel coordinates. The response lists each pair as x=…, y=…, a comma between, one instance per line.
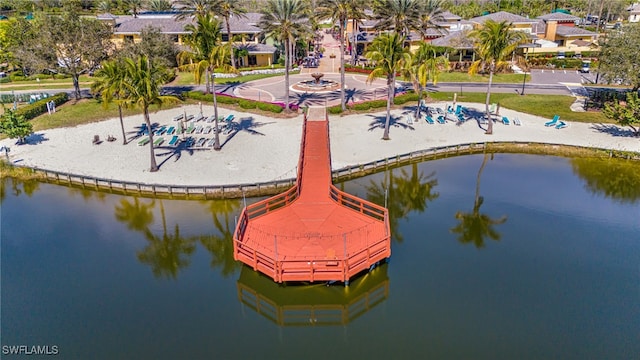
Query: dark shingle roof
x=449, y=16
x=558, y=16
x=538, y=27
x=502, y=16
x=456, y=40
x=573, y=31
x=167, y=25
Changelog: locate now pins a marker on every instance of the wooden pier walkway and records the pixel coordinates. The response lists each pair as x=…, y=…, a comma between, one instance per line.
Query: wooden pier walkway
x=313, y=231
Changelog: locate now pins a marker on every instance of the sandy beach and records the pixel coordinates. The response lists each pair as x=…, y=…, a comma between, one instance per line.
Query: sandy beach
x=264, y=149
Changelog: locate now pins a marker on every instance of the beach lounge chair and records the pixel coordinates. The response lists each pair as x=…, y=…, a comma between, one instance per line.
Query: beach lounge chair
x=190, y=129
x=553, y=122
x=229, y=118
x=174, y=140
x=461, y=117
x=199, y=129
x=201, y=142
x=441, y=119
x=211, y=118
x=189, y=118
x=211, y=142
x=178, y=118
x=561, y=125
x=158, y=141
x=207, y=130
x=517, y=121
x=143, y=142
x=409, y=118
x=198, y=118
x=505, y=120
x=159, y=131
x=458, y=109
x=429, y=119
x=171, y=130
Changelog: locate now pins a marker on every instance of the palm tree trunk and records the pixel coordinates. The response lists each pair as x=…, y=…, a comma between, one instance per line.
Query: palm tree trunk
x=390, y=90
x=476, y=203
x=207, y=73
x=342, y=98
x=354, y=46
x=286, y=75
x=154, y=166
x=230, y=39
x=124, y=135
x=490, y=127
x=216, y=136
x=418, y=113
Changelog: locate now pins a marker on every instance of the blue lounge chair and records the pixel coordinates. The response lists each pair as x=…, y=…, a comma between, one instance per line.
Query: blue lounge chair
x=458, y=109
x=174, y=140
x=441, y=119
x=461, y=117
x=553, y=122
x=561, y=125
x=229, y=118
x=171, y=130
x=505, y=120
x=160, y=130
x=429, y=119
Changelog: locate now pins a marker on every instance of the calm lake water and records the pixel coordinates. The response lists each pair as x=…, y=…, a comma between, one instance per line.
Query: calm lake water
x=510, y=257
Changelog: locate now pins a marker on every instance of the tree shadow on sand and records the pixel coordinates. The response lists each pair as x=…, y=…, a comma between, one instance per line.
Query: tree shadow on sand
x=175, y=152
x=613, y=130
x=140, y=130
x=35, y=139
x=247, y=124
x=379, y=121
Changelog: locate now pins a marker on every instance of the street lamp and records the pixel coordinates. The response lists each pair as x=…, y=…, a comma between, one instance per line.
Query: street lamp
x=524, y=79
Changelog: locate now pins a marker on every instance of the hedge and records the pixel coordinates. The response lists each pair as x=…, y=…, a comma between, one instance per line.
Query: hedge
x=401, y=99
x=243, y=103
x=40, y=107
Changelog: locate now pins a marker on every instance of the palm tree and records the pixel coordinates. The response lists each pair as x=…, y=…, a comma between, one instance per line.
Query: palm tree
x=203, y=37
x=134, y=6
x=425, y=66
x=143, y=82
x=160, y=5
x=221, y=245
x=227, y=9
x=494, y=45
x=192, y=8
x=110, y=85
x=219, y=59
x=356, y=14
x=284, y=20
x=431, y=17
x=337, y=10
x=388, y=53
x=474, y=226
x=400, y=15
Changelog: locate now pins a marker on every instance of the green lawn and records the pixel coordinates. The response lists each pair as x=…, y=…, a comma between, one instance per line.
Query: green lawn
x=542, y=105
x=45, y=83
x=85, y=111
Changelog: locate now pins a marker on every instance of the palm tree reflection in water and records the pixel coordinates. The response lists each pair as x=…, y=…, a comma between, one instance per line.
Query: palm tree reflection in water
x=169, y=252
x=474, y=226
x=221, y=245
x=404, y=193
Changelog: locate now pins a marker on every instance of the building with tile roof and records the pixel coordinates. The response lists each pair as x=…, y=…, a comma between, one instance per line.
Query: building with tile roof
x=634, y=13
x=128, y=29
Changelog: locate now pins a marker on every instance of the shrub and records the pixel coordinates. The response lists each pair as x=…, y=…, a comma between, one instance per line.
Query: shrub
x=247, y=104
x=40, y=107
x=334, y=110
x=362, y=106
x=401, y=99
x=5, y=80
x=270, y=107
x=376, y=104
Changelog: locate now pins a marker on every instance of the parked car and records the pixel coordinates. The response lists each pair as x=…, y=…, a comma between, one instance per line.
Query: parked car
x=561, y=55
x=586, y=66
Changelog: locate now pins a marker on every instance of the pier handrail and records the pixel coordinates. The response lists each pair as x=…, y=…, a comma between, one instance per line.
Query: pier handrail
x=355, y=203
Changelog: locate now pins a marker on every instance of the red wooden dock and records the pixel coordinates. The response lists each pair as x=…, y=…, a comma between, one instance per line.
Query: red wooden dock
x=313, y=231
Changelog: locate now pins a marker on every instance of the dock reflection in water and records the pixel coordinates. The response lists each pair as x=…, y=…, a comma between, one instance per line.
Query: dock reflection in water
x=313, y=305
